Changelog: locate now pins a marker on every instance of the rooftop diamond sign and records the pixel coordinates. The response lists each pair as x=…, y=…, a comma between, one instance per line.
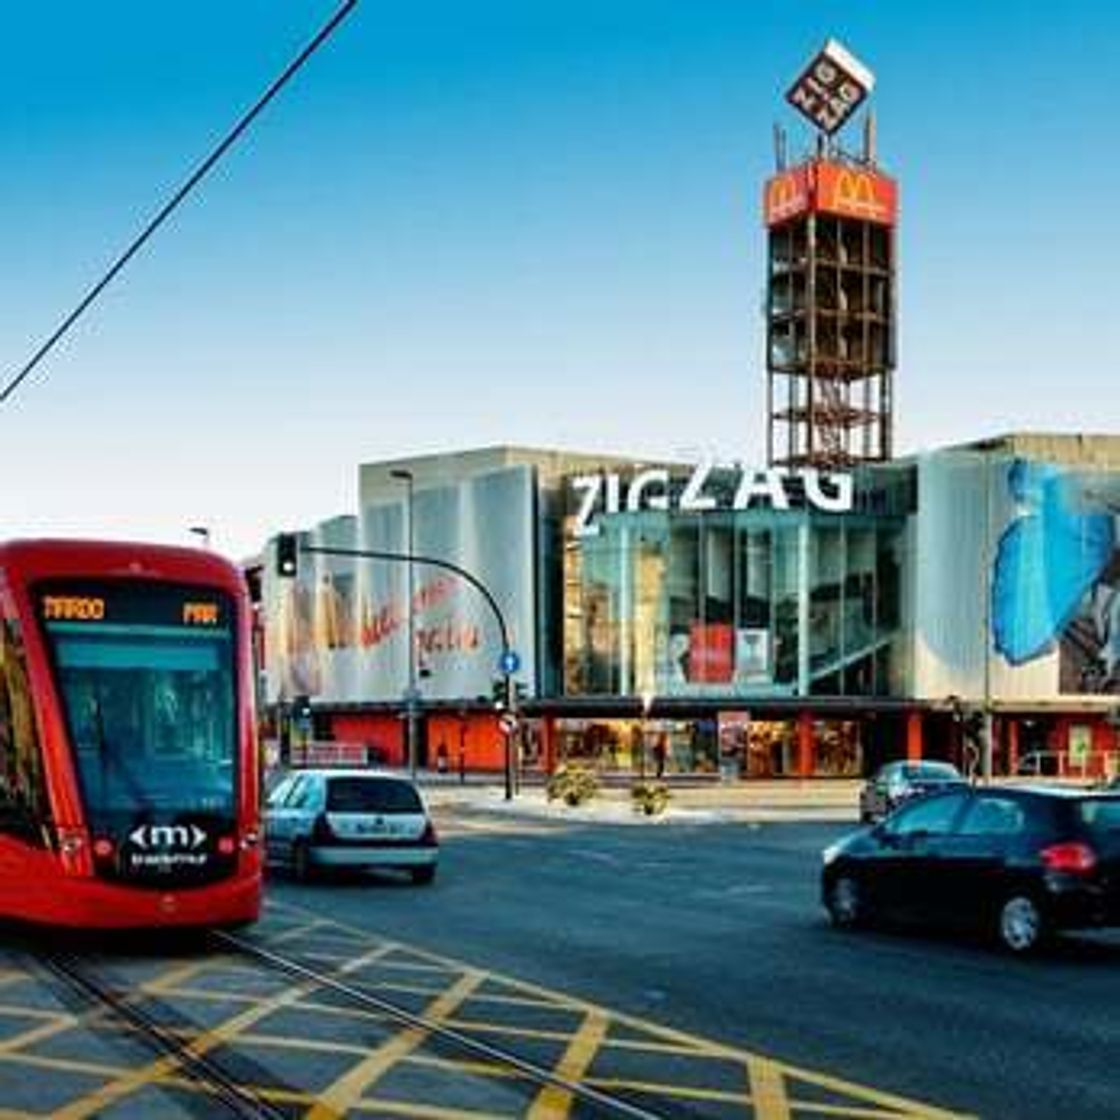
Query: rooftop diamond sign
x=831, y=88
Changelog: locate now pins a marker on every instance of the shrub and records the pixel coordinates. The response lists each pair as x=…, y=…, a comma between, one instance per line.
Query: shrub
x=650, y=798
x=572, y=784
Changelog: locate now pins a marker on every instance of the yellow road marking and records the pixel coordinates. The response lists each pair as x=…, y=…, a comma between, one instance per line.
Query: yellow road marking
x=892, y=1106
x=773, y=1084
x=469, y=1066
x=554, y=1101
x=63, y=1023
x=384, y=1106
x=663, y=1089
x=768, y=1089
x=350, y=1087
x=206, y=1041
x=62, y=1065
x=19, y=1012
x=510, y=1029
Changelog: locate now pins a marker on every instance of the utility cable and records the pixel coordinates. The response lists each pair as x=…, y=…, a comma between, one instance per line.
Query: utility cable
x=230, y=139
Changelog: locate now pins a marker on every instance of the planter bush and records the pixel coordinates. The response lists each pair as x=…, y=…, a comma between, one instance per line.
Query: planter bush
x=572, y=784
x=650, y=798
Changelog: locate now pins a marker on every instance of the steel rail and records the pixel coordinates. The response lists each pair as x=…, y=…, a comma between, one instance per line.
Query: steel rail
x=218, y=1084
x=541, y=1075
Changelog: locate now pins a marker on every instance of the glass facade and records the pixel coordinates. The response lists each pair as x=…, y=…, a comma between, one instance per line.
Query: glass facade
x=751, y=603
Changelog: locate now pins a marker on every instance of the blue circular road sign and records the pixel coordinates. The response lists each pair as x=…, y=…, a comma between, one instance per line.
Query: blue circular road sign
x=509, y=662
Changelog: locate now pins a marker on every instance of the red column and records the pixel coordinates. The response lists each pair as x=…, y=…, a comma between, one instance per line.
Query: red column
x=805, y=745
x=913, y=736
x=1012, y=745
x=548, y=744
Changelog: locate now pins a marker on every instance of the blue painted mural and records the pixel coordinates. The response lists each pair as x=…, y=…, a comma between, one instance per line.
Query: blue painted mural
x=1056, y=575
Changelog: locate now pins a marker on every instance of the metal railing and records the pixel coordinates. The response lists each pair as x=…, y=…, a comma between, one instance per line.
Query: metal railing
x=1061, y=764
x=320, y=753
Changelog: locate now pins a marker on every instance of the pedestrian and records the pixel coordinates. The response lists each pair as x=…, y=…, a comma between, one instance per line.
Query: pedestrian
x=441, y=758
x=659, y=752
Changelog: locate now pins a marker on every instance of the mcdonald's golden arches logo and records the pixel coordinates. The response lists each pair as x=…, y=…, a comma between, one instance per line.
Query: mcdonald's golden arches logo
x=830, y=188
x=855, y=192
x=786, y=196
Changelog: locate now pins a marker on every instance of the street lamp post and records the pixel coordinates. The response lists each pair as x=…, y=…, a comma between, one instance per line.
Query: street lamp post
x=405, y=476
x=647, y=703
x=987, y=746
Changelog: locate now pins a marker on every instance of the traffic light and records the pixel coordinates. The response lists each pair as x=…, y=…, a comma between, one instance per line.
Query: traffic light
x=498, y=692
x=287, y=555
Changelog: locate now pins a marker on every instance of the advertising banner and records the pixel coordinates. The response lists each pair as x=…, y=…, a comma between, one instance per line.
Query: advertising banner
x=752, y=656
x=1056, y=575
x=786, y=195
x=830, y=89
x=848, y=190
x=855, y=192
x=339, y=631
x=1017, y=579
x=711, y=653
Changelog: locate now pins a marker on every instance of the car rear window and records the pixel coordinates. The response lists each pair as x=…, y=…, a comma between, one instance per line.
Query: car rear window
x=1101, y=815
x=371, y=795
x=933, y=772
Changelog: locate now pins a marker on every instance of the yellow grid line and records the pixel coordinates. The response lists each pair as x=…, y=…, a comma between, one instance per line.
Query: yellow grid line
x=63, y=1065
x=351, y=1086
x=692, y=1044
x=16, y=1011
x=773, y=1083
x=208, y=1040
x=552, y=1100
x=669, y=1089
x=385, y=1106
x=768, y=1089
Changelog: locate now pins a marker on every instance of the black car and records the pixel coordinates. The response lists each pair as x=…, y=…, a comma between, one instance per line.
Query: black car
x=897, y=782
x=1018, y=862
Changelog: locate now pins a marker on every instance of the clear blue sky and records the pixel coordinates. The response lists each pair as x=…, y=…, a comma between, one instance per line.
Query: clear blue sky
x=466, y=224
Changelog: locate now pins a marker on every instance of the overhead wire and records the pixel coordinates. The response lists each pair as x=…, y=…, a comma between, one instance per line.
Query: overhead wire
x=166, y=210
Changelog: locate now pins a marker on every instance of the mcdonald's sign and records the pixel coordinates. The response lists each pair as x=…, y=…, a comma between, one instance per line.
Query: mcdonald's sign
x=855, y=192
x=786, y=195
x=820, y=186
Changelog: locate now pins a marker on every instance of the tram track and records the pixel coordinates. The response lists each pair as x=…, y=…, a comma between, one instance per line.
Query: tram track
x=219, y=1086
x=598, y=1102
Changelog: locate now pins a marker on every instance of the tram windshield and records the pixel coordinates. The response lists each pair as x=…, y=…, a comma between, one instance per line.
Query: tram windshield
x=145, y=676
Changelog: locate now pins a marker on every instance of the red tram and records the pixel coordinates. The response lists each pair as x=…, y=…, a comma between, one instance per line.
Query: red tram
x=129, y=782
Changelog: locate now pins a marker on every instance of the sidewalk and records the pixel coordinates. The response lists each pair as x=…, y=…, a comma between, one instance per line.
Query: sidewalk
x=715, y=802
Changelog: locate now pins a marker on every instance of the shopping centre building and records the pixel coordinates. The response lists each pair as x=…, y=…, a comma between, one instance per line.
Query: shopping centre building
x=835, y=609
x=716, y=618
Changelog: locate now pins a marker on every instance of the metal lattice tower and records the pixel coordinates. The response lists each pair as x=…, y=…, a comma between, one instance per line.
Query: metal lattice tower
x=830, y=313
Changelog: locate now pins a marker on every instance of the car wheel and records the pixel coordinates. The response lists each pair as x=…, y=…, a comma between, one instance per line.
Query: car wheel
x=423, y=875
x=301, y=861
x=845, y=902
x=1021, y=925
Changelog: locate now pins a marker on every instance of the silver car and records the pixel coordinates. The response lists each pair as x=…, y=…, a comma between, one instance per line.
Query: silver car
x=900, y=781
x=349, y=819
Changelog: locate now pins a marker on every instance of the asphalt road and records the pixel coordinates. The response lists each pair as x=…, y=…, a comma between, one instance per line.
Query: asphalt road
x=717, y=931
